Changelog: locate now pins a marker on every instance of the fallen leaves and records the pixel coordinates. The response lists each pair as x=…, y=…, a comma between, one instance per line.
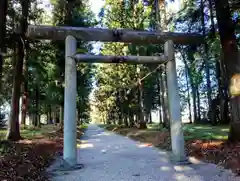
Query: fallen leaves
x=27, y=159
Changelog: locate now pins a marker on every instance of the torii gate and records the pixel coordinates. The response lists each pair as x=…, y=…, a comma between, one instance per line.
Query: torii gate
x=70, y=34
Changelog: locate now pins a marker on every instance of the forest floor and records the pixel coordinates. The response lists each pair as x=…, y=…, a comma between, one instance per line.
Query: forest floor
x=204, y=142
x=27, y=159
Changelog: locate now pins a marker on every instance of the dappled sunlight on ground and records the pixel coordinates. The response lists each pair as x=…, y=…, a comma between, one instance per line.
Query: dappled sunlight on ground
x=181, y=177
x=85, y=145
x=194, y=160
x=84, y=141
x=179, y=168
x=225, y=129
x=162, y=153
x=144, y=145
x=37, y=141
x=102, y=134
x=165, y=168
x=163, y=159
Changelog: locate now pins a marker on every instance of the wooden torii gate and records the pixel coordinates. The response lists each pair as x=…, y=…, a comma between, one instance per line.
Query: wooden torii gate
x=70, y=34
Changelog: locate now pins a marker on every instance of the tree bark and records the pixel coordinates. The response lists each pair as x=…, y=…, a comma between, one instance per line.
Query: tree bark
x=206, y=57
x=166, y=122
x=61, y=115
x=24, y=108
x=125, y=120
x=220, y=74
x=13, y=133
x=142, y=122
x=188, y=94
x=150, y=118
x=194, y=97
x=131, y=118
x=37, y=120
x=3, y=15
x=198, y=104
x=25, y=92
x=49, y=114
x=159, y=98
x=13, y=128
x=231, y=59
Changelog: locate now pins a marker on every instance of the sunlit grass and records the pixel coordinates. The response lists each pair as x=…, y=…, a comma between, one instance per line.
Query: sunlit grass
x=205, y=132
x=29, y=132
x=191, y=131
x=83, y=126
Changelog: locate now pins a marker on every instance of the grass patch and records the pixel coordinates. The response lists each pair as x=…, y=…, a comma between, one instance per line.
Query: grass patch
x=205, y=132
x=28, y=133
x=83, y=126
x=80, y=131
x=191, y=131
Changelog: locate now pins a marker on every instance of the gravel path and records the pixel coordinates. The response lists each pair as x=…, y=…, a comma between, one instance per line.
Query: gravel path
x=110, y=157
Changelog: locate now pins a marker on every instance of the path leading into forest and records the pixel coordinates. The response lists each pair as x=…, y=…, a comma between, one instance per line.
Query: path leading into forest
x=107, y=156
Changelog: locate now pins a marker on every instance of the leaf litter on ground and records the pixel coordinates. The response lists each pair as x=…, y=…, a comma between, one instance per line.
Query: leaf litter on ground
x=27, y=159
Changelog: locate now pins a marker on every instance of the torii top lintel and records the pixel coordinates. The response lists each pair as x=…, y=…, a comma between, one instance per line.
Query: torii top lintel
x=111, y=35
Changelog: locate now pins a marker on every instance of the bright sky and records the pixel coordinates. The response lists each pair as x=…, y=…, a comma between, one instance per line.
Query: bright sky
x=96, y=5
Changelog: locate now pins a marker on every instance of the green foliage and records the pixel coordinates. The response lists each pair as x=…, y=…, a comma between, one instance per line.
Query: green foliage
x=49, y=64
x=116, y=95
x=45, y=60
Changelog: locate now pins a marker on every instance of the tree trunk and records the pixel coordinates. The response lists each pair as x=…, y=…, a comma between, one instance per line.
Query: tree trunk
x=37, y=120
x=159, y=98
x=50, y=113
x=198, y=104
x=150, y=118
x=61, y=115
x=13, y=123
x=48, y=117
x=194, y=97
x=125, y=120
x=222, y=94
x=220, y=74
x=3, y=15
x=166, y=122
x=206, y=57
x=25, y=93
x=131, y=118
x=24, y=108
x=188, y=94
x=13, y=128
x=78, y=116
x=231, y=60
x=142, y=122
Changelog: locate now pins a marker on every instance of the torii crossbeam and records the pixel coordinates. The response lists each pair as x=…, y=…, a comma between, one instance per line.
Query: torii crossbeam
x=112, y=35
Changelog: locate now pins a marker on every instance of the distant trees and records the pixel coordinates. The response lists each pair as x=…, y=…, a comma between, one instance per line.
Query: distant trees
x=34, y=70
x=204, y=74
